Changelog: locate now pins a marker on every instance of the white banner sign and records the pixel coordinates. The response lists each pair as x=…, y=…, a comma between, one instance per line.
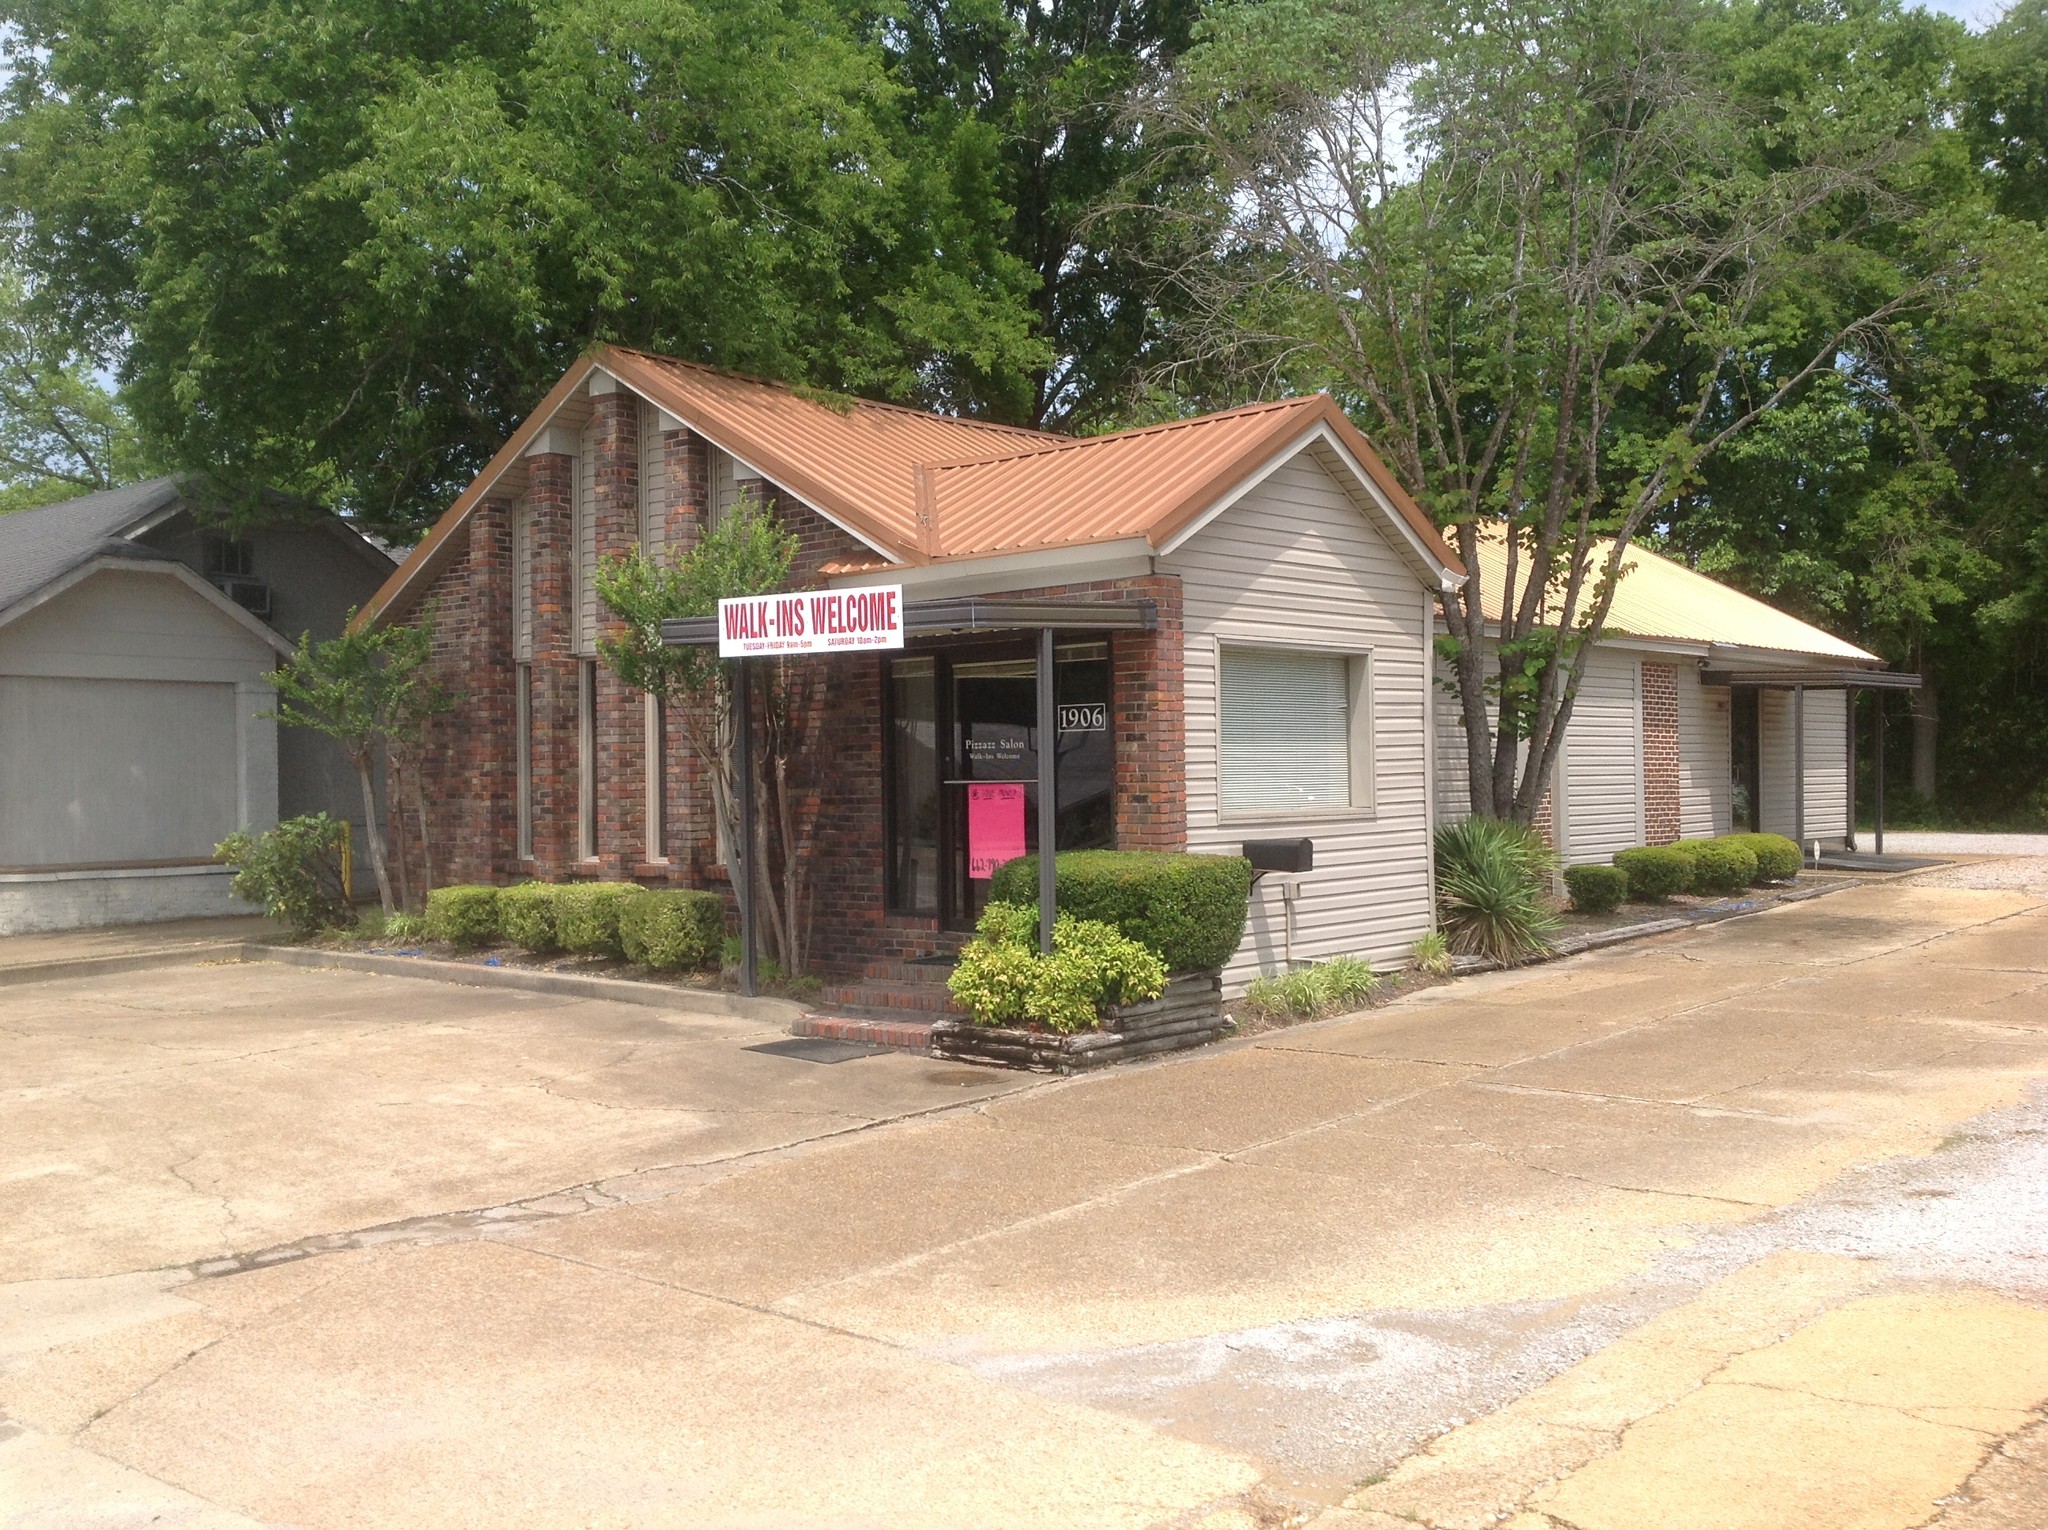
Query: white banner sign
x=815, y=621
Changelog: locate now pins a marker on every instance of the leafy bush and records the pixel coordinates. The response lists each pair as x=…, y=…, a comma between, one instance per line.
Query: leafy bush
x=404, y=928
x=1655, y=872
x=673, y=931
x=526, y=917
x=1002, y=979
x=1432, y=954
x=1778, y=859
x=587, y=916
x=1493, y=884
x=462, y=916
x=1188, y=908
x=1596, y=889
x=1719, y=868
x=293, y=871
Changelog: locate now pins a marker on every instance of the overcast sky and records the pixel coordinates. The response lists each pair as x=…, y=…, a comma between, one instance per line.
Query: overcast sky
x=1977, y=14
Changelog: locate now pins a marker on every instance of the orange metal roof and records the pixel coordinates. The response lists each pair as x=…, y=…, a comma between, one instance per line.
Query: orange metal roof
x=1660, y=598
x=919, y=487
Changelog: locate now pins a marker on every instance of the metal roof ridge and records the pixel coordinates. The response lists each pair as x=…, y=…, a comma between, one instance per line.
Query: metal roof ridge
x=1075, y=443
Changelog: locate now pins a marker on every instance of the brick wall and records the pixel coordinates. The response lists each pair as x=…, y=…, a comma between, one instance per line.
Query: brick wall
x=1660, y=754
x=613, y=441
x=468, y=765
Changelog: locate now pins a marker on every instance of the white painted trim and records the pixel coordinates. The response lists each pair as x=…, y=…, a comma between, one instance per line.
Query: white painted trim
x=554, y=441
x=664, y=422
x=602, y=382
x=1429, y=785
x=1129, y=558
x=115, y=874
x=163, y=568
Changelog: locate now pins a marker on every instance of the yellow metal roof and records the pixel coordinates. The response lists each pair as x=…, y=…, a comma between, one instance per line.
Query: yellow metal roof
x=1658, y=598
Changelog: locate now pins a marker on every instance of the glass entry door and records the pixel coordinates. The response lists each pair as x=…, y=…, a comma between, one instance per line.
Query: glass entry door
x=1745, y=760
x=962, y=769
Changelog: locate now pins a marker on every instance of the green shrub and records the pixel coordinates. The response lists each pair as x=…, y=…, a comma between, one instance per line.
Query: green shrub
x=1002, y=979
x=1655, y=872
x=587, y=916
x=1720, y=868
x=1190, y=909
x=1596, y=889
x=526, y=917
x=673, y=931
x=1493, y=889
x=293, y=871
x=1778, y=859
x=1346, y=981
x=1432, y=954
x=462, y=916
x=405, y=927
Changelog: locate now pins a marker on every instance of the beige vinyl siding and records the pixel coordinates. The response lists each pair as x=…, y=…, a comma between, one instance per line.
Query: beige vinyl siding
x=724, y=485
x=1601, y=763
x=1453, y=786
x=1703, y=805
x=132, y=626
x=1827, y=766
x=1297, y=564
x=653, y=483
x=585, y=520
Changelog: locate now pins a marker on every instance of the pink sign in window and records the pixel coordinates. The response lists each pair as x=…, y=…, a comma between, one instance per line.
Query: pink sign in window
x=995, y=827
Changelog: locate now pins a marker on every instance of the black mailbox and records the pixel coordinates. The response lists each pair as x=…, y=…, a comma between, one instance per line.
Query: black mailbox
x=1281, y=854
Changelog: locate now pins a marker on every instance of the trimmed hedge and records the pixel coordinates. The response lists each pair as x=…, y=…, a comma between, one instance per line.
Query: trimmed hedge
x=1596, y=889
x=673, y=931
x=526, y=917
x=1655, y=872
x=1777, y=858
x=1720, y=868
x=587, y=915
x=464, y=915
x=1190, y=909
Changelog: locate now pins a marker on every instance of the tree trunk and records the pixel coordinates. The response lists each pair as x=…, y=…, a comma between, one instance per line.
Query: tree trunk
x=373, y=835
x=1924, y=721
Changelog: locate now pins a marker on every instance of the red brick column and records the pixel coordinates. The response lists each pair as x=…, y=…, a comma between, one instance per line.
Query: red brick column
x=1149, y=713
x=470, y=759
x=613, y=441
x=1660, y=754
x=551, y=499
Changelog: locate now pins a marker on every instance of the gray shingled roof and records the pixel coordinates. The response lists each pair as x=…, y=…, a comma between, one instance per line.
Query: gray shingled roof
x=37, y=546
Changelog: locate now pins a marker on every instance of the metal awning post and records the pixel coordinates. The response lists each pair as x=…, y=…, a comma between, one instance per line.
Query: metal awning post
x=1048, y=808
x=1877, y=839
x=743, y=881
x=1849, y=707
x=1799, y=768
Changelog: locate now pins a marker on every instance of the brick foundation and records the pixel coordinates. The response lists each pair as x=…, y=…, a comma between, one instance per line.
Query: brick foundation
x=1660, y=754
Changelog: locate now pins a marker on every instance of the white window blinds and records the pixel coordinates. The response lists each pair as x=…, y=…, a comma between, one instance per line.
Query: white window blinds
x=1286, y=730
x=653, y=483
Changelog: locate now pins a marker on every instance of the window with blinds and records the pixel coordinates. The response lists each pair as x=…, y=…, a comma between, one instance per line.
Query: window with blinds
x=1288, y=729
x=585, y=525
x=522, y=582
x=653, y=483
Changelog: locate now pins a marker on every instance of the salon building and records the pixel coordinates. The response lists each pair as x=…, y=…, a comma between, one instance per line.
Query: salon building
x=1241, y=609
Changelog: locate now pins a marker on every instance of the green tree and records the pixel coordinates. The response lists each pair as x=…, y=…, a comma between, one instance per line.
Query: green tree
x=1556, y=263
x=61, y=432
x=748, y=552
x=343, y=248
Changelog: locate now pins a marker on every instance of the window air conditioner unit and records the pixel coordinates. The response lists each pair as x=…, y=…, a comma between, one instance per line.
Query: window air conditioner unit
x=252, y=595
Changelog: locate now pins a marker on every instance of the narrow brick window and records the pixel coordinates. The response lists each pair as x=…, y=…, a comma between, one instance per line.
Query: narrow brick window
x=522, y=707
x=586, y=761
x=657, y=794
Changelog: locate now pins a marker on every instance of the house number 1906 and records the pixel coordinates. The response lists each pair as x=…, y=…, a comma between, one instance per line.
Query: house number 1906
x=1090, y=717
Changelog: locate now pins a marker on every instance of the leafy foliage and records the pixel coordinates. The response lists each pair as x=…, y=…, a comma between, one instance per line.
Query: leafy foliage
x=1493, y=882
x=462, y=916
x=1190, y=909
x=526, y=915
x=1002, y=978
x=1655, y=872
x=1332, y=987
x=1432, y=954
x=1778, y=859
x=673, y=930
x=293, y=871
x=587, y=915
x=1596, y=889
x=1720, y=867
x=61, y=432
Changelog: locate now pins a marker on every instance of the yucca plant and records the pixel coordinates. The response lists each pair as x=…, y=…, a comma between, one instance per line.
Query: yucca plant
x=1492, y=886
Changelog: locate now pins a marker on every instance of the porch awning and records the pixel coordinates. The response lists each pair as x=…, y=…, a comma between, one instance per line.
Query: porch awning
x=928, y=618
x=1838, y=679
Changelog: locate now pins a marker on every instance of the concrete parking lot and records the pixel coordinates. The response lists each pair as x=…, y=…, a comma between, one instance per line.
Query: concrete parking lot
x=1741, y=1228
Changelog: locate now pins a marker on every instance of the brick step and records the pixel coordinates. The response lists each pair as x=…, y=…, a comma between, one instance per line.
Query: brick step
x=902, y=1035
x=921, y=999
x=920, y=973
